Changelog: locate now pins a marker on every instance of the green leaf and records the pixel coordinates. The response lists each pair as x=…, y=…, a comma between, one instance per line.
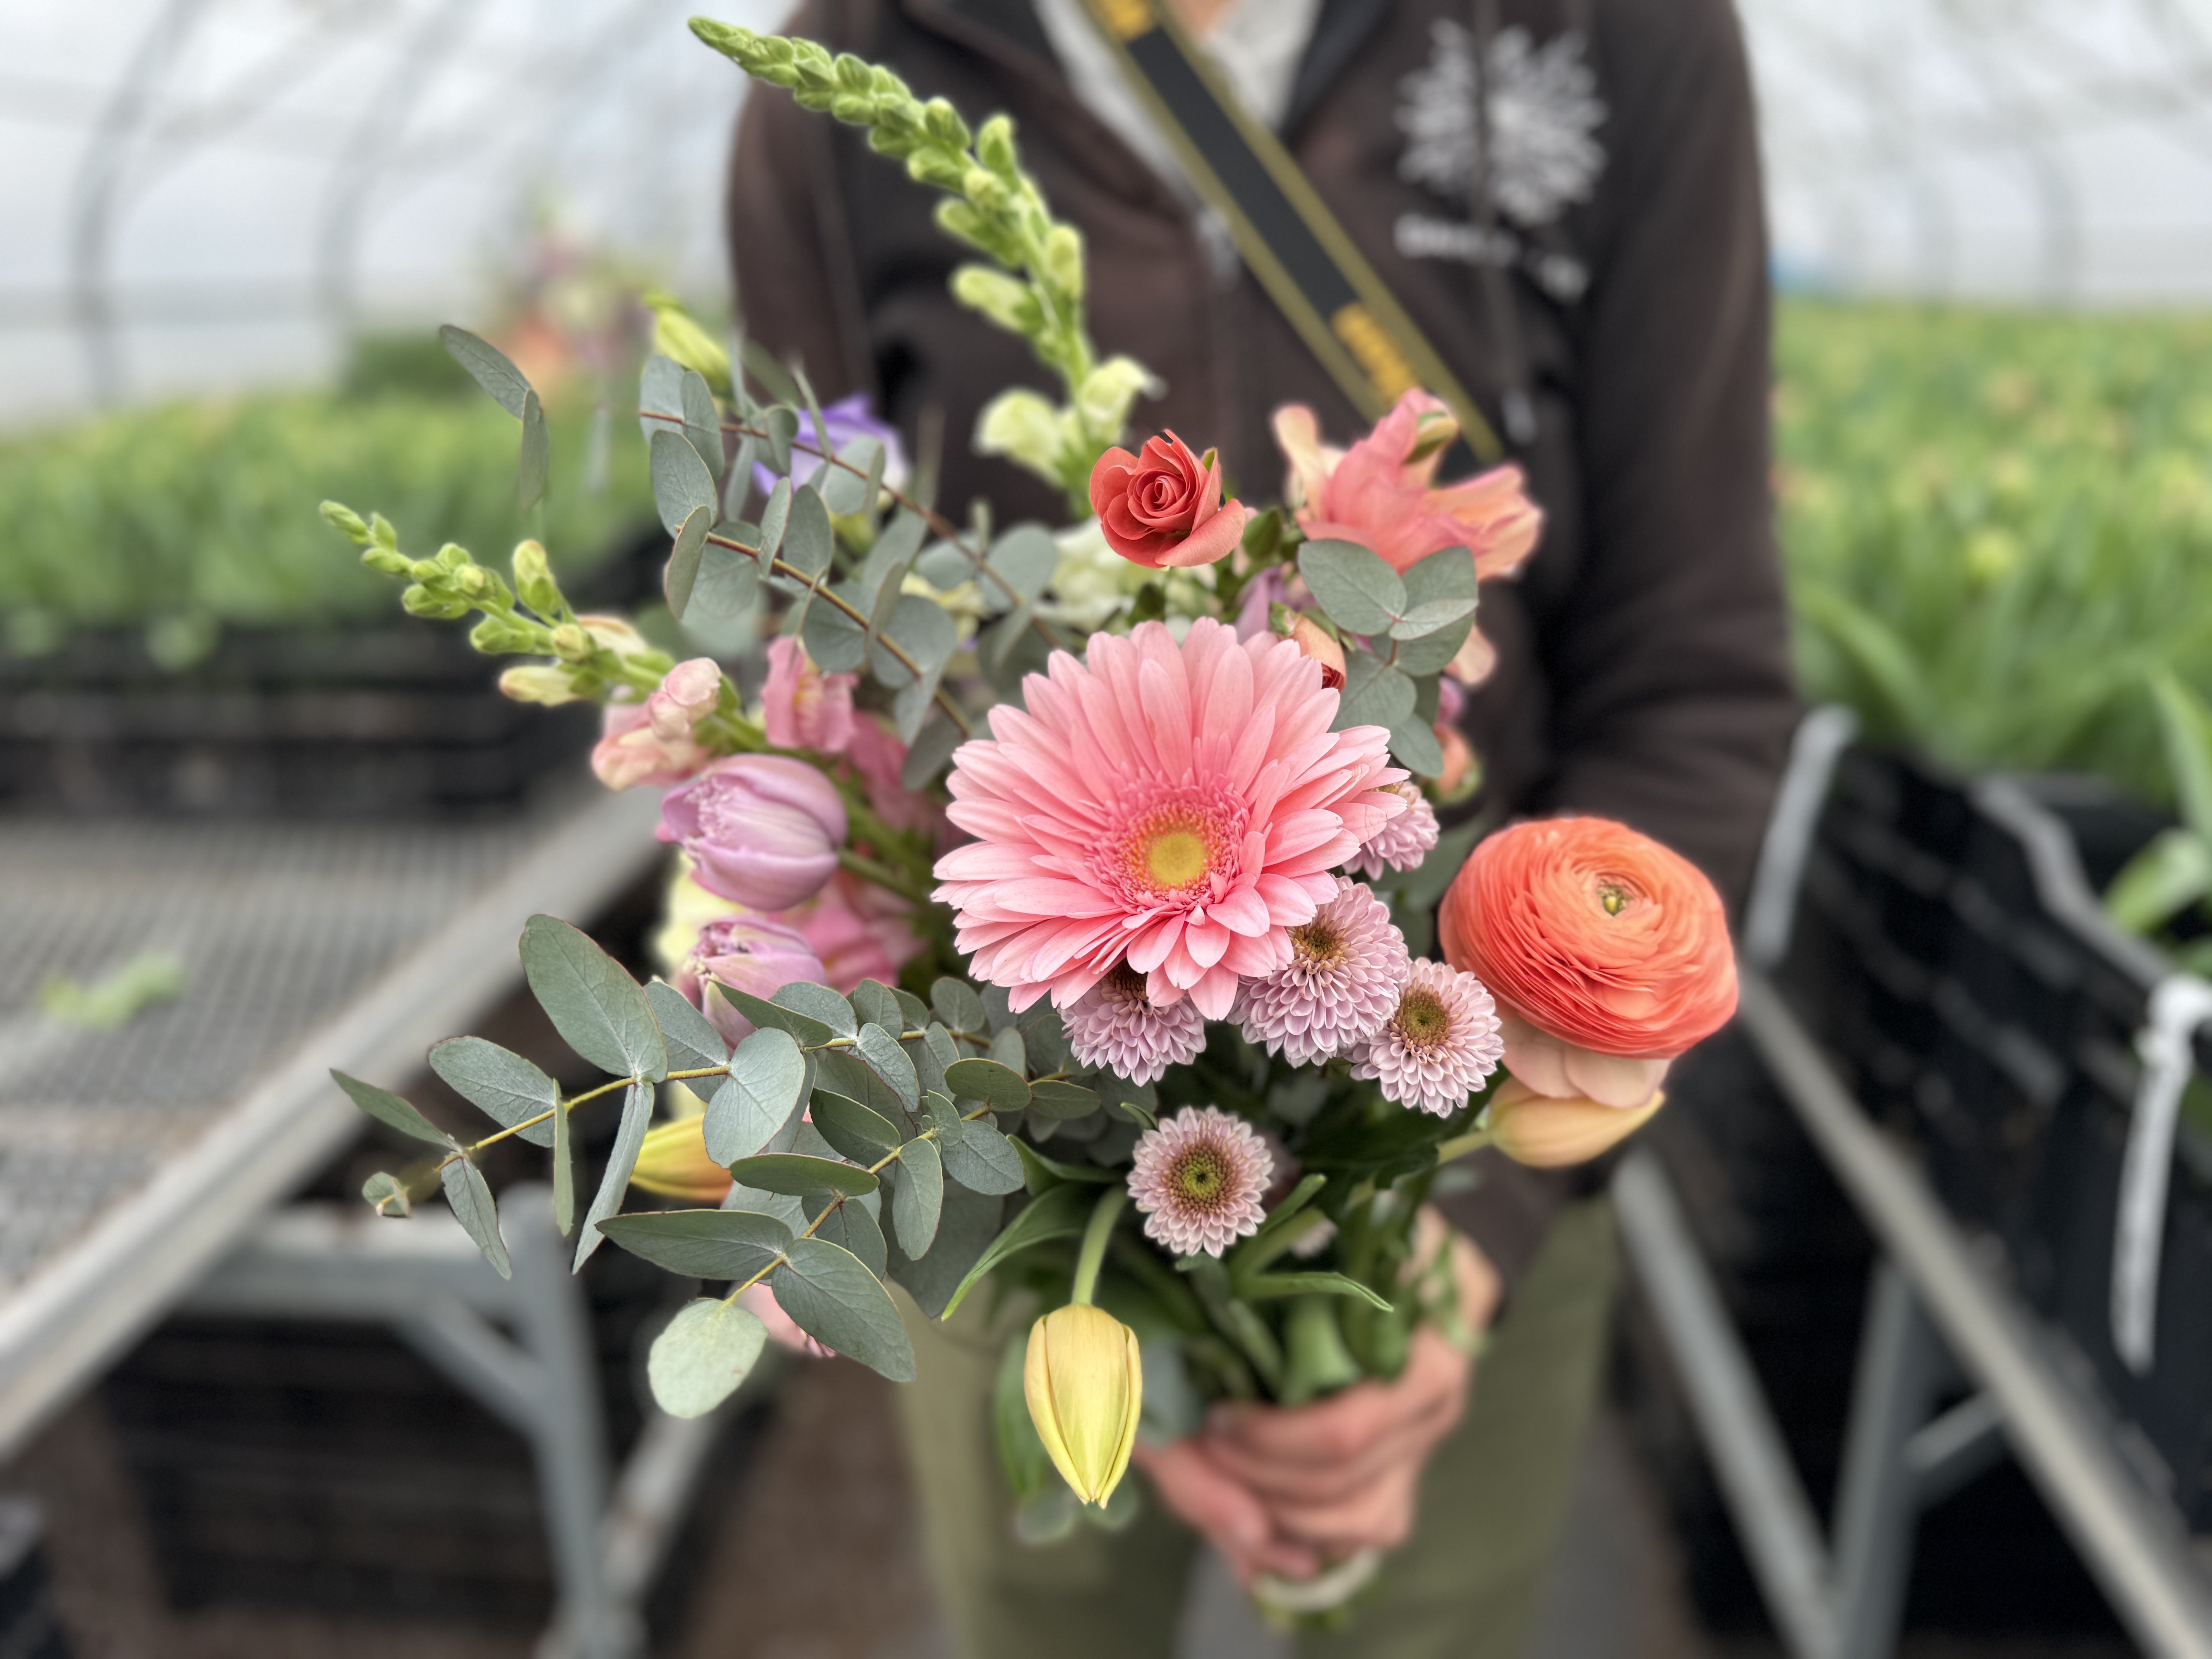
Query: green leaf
x=1041, y=1174
x=711, y=1244
x=1021, y=1452
x=2187, y=726
x=684, y=560
x=386, y=1195
x=1374, y=694
x=852, y=1224
x=834, y=1299
x=798, y=1175
x=1432, y=652
x=930, y=753
x=880, y=1049
x=957, y=1004
x=807, y=544
x=694, y=1044
x=918, y=1199
x=470, y=1194
x=1262, y=1287
x=707, y=1351
x=837, y=643
x=505, y=1087
x=1060, y=1214
x=728, y=583
x=979, y=1157
x=535, y=462
x=1449, y=574
x=781, y=425
x=852, y=1129
x=914, y=1012
x=598, y=1010
x=489, y=367
x=1062, y=1100
x=1008, y=1048
x=775, y=1017
x=629, y=1135
x=999, y=1087
x=1293, y=1201
x=388, y=1109
x=920, y=628
x=1414, y=745
x=1425, y=619
x=767, y=1075
x=2173, y=872
x=564, y=1171
x=965, y=1229
x=821, y=1004
x=1025, y=555
x=845, y=492
x=1361, y=594
x=773, y=517
x=702, y=422
x=874, y=1003
x=842, y=1072
x=681, y=484
x=660, y=396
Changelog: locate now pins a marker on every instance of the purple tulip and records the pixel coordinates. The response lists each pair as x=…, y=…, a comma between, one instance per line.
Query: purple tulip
x=761, y=830
x=847, y=419
x=748, y=955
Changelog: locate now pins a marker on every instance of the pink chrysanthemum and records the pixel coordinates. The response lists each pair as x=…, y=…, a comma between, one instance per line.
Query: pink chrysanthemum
x=1439, y=1046
x=1176, y=805
x=1115, y=1025
x=1403, y=841
x=1346, y=967
x=1201, y=1178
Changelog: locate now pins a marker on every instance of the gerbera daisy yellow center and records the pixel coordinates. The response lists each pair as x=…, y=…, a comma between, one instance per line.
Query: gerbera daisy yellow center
x=1176, y=858
x=1421, y=1021
x=1172, y=851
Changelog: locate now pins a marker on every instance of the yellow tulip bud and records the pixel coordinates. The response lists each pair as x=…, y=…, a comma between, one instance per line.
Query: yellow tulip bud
x=1085, y=1387
x=1546, y=1133
x=673, y=1163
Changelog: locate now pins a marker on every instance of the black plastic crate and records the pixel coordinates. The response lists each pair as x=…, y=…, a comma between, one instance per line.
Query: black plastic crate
x=1949, y=954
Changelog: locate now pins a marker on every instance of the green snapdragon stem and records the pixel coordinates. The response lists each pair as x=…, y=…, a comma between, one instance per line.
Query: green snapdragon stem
x=1095, y=1235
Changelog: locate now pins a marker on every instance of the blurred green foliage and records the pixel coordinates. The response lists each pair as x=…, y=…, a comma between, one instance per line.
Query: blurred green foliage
x=182, y=518
x=1998, y=525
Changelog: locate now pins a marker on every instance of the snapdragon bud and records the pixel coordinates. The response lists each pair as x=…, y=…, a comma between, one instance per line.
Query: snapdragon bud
x=496, y=636
x=944, y=124
x=473, y=579
x=453, y=556
x=533, y=579
x=1085, y=1385
x=1006, y=302
x=1063, y=259
x=539, y=682
x=933, y=164
x=346, y=521
x=994, y=145
x=985, y=189
x=571, y=643
x=426, y=570
x=388, y=560
x=419, y=601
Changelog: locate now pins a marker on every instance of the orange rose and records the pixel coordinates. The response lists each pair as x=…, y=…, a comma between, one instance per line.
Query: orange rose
x=1608, y=955
x=1164, y=507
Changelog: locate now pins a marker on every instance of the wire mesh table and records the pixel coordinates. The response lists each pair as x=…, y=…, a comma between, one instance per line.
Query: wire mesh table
x=132, y=1160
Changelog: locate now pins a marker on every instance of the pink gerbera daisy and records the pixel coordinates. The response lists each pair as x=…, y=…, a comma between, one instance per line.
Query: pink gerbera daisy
x=1178, y=806
x=1202, y=1181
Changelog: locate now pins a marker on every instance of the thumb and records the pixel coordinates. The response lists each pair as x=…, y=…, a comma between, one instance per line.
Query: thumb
x=1197, y=1489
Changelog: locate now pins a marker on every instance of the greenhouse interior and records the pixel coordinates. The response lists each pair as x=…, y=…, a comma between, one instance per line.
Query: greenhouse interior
x=1473, y=916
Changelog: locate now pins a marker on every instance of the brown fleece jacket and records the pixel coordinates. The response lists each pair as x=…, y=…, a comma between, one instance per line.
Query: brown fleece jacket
x=1643, y=668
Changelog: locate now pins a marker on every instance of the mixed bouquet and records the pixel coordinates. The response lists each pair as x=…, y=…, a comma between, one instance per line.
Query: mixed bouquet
x=1054, y=911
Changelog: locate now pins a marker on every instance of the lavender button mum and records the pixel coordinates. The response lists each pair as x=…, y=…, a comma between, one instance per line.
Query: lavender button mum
x=1201, y=1179
x=1438, y=1047
x=761, y=830
x=1116, y=1025
x=1347, y=966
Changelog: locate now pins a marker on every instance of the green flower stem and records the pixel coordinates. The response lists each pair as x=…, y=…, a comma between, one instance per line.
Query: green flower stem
x=1459, y=1145
x=1094, y=1237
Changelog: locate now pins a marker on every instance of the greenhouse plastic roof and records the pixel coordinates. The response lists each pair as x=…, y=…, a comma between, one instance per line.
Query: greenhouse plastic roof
x=205, y=193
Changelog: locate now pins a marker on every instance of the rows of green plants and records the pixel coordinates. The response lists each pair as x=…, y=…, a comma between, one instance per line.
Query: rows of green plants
x=183, y=519
x=1998, y=526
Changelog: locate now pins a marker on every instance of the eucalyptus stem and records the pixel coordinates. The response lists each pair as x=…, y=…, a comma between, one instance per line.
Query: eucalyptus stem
x=1094, y=1237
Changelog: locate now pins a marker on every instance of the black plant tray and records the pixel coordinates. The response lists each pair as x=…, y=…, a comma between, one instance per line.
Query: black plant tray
x=1949, y=953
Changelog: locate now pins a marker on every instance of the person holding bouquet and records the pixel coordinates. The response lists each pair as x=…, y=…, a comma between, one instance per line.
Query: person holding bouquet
x=1563, y=195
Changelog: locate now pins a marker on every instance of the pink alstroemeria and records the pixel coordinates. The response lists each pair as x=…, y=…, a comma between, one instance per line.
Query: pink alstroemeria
x=803, y=708
x=1379, y=493
x=1178, y=806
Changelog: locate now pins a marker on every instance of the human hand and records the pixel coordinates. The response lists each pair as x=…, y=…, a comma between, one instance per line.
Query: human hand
x=1286, y=1491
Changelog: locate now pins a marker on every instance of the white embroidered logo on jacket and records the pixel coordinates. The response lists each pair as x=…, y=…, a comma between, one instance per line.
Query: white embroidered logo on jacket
x=1543, y=116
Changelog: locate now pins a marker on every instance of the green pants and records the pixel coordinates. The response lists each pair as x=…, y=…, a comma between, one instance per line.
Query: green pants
x=1492, y=1504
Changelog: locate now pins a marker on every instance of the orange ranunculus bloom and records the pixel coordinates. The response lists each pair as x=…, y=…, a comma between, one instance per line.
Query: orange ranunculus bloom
x=1601, y=945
